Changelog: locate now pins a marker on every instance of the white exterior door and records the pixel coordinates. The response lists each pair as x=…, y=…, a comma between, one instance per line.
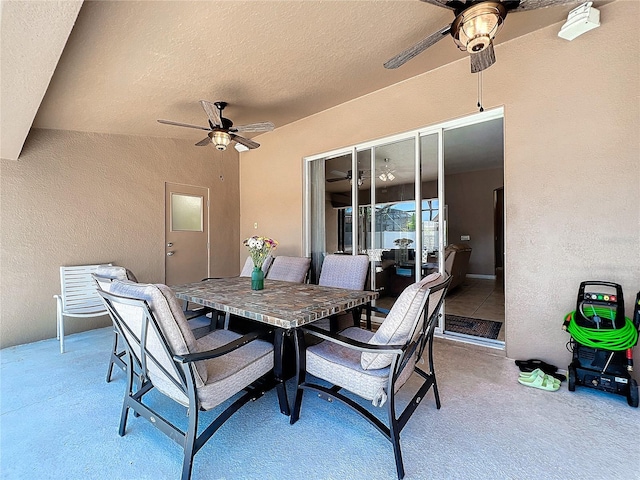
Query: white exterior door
x=186, y=233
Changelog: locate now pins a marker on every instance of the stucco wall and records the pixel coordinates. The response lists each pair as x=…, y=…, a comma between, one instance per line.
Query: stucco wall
x=572, y=170
x=76, y=198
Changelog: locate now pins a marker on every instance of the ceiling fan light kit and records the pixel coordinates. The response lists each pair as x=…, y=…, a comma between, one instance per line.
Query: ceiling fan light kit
x=475, y=28
x=580, y=20
x=220, y=139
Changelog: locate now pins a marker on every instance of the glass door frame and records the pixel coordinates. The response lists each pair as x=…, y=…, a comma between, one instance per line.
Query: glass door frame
x=417, y=134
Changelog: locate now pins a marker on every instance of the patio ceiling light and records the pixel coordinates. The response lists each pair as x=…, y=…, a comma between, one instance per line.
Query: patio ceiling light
x=220, y=139
x=474, y=29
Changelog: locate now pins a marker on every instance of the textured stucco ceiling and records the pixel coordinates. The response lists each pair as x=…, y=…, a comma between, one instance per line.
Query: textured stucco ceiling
x=127, y=64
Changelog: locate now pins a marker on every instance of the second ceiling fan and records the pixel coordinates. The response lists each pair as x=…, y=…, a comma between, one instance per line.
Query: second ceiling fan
x=475, y=25
x=221, y=130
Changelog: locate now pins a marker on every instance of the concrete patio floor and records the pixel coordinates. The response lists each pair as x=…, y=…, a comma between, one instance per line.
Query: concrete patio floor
x=59, y=420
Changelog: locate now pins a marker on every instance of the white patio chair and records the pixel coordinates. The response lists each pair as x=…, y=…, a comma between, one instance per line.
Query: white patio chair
x=78, y=297
x=198, y=374
x=375, y=366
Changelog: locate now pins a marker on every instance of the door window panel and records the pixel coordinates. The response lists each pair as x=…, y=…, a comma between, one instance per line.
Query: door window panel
x=186, y=213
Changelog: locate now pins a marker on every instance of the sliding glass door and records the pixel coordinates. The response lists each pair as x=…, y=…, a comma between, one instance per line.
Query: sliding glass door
x=386, y=199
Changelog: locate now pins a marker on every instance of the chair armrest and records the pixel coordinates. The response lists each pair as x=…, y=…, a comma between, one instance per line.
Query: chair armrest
x=351, y=343
x=223, y=350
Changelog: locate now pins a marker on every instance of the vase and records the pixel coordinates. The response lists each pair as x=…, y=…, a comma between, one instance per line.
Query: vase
x=257, y=279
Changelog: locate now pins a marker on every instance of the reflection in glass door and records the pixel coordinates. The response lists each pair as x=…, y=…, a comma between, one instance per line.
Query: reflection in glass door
x=392, y=219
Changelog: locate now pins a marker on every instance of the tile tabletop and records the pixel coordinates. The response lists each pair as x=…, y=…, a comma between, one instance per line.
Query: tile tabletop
x=282, y=304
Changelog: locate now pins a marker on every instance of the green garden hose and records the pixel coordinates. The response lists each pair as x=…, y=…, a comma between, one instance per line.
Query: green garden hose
x=616, y=339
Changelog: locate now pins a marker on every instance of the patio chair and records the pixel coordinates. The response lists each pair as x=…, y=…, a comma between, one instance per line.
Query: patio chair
x=375, y=366
x=343, y=271
x=198, y=374
x=104, y=275
x=289, y=269
x=248, y=266
x=77, y=297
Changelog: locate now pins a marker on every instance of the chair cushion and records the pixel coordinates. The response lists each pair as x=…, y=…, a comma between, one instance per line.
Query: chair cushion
x=168, y=312
x=115, y=272
x=400, y=322
x=344, y=271
x=248, y=266
x=341, y=366
x=289, y=269
x=230, y=373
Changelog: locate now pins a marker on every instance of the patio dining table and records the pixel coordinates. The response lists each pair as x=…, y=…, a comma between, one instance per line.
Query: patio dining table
x=283, y=305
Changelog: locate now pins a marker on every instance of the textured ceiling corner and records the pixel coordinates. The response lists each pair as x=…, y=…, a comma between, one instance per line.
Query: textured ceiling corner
x=34, y=35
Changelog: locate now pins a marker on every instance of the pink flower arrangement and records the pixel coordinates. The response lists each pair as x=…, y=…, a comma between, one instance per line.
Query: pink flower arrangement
x=259, y=248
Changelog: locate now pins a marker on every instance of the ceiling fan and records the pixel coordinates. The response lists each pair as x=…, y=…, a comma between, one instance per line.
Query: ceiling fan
x=475, y=25
x=346, y=176
x=221, y=130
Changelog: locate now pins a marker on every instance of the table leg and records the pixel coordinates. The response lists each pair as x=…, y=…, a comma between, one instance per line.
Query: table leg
x=278, y=347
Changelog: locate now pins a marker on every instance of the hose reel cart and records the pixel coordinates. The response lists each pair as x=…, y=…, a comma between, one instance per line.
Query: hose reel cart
x=602, y=340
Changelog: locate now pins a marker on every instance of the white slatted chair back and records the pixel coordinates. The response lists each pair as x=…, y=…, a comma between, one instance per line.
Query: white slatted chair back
x=78, y=296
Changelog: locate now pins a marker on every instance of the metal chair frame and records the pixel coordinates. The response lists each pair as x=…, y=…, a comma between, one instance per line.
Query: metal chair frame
x=184, y=368
x=402, y=354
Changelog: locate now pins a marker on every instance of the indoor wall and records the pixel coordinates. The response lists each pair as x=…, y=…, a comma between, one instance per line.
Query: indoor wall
x=572, y=122
x=469, y=200
x=77, y=198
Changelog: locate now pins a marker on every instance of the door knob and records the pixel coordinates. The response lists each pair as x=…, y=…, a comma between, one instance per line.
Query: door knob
x=169, y=244
x=169, y=254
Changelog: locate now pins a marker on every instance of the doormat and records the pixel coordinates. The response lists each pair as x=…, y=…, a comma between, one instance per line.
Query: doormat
x=472, y=326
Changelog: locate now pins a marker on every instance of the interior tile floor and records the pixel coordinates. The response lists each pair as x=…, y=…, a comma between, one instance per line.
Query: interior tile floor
x=475, y=297
x=478, y=298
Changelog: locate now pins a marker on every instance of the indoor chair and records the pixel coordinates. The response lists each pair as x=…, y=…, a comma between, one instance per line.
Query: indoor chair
x=198, y=374
x=289, y=269
x=374, y=366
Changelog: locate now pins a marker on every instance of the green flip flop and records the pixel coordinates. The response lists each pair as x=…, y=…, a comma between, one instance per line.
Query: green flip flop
x=539, y=373
x=543, y=382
